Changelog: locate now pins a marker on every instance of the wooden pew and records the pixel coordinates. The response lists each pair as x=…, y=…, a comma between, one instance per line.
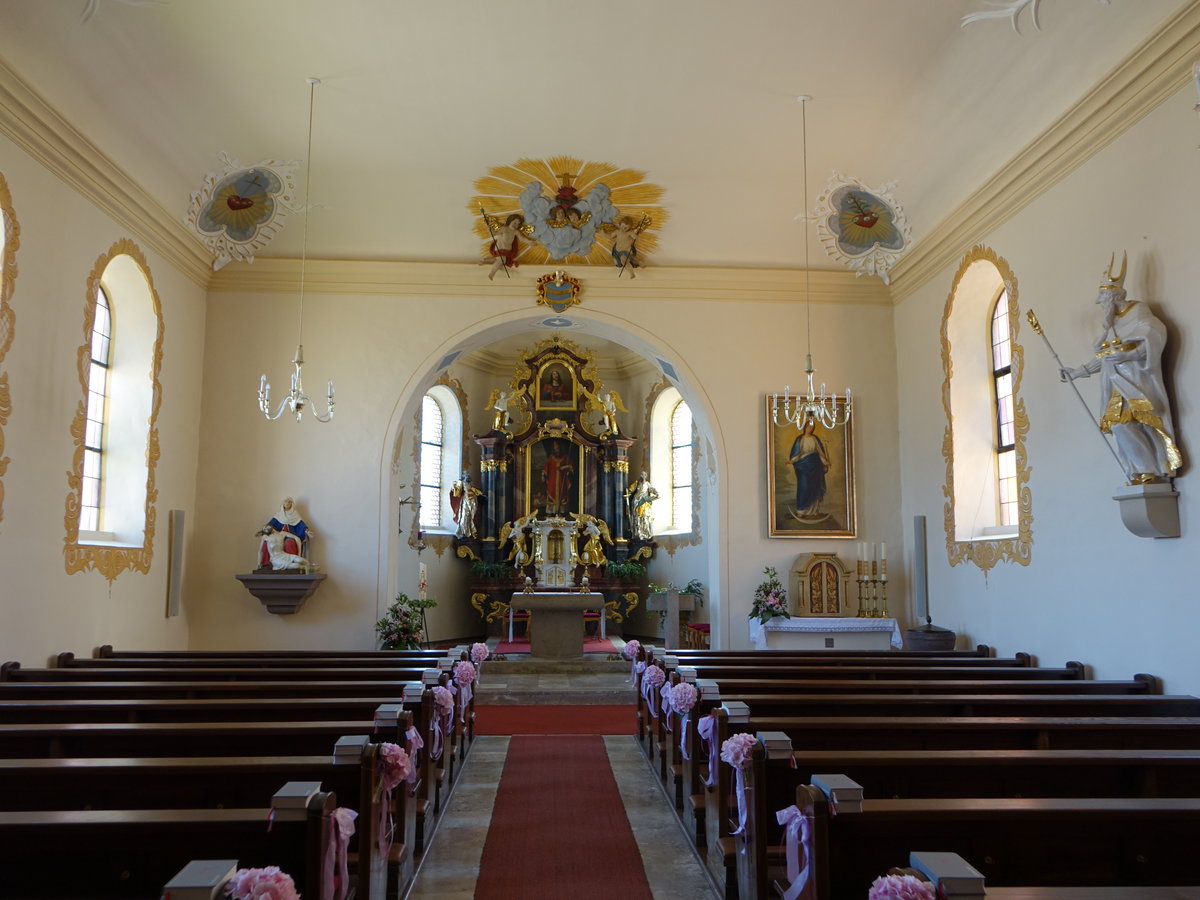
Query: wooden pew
x=980, y=650
x=107, y=651
x=215, y=782
x=70, y=661
x=11, y=671
x=1049, y=841
x=86, y=854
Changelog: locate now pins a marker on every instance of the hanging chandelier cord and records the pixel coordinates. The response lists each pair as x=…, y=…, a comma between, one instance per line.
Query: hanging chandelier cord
x=312, y=92
x=807, y=265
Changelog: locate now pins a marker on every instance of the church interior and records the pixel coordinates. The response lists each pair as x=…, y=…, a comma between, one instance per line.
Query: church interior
x=646, y=203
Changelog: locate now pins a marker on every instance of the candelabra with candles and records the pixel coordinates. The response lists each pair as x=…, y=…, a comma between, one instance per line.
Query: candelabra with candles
x=872, y=581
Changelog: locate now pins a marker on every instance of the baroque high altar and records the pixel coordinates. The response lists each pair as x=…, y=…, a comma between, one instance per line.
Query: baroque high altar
x=553, y=510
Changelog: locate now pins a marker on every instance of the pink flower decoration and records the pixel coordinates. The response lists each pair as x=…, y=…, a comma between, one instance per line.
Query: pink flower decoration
x=654, y=676
x=901, y=887
x=464, y=672
x=479, y=652
x=683, y=697
x=443, y=700
x=394, y=764
x=631, y=649
x=737, y=749
x=261, y=884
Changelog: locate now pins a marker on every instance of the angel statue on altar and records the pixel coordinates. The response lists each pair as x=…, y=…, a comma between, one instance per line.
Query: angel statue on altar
x=606, y=403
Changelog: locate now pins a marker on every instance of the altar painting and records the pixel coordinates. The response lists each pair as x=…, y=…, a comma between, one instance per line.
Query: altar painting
x=554, y=477
x=810, y=479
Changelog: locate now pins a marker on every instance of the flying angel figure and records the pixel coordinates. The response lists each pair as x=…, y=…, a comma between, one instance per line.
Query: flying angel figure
x=521, y=553
x=500, y=401
x=624, y=236
x=607, y=403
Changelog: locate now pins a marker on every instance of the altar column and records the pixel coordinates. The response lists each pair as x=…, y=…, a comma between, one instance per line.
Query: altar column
x=614, y=479
x=497, y=487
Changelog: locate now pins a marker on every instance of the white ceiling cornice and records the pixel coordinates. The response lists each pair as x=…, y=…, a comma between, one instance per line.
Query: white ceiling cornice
x=37, y=127
x=661, y=283
x=1142, y=81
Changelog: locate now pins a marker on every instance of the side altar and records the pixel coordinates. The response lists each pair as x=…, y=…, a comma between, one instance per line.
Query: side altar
x=552, y=505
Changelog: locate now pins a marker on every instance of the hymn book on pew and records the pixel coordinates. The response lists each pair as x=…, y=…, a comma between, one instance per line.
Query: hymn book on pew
x=843, y=792
x=952, y=875
x=290, y=803
x=201, y=879
x=349, y=749
x=736, y=711
x=777, y=744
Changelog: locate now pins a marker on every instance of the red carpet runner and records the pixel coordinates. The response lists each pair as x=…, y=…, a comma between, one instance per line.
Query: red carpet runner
x=556, y=719
x=559, y=828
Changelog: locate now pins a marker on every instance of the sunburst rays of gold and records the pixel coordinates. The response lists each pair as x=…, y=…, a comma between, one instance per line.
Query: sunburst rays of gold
x=499, y=194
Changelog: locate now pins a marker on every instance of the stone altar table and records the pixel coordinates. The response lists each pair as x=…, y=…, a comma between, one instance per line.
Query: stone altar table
x=826, y=633
x=557, y=622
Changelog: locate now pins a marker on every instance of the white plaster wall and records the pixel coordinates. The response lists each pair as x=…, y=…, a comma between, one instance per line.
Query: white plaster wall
x=43, y=610
x=1093, y=591
x=381, y=352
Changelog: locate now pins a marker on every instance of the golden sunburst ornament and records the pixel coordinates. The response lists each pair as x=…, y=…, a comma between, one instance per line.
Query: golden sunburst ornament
x=570, y=211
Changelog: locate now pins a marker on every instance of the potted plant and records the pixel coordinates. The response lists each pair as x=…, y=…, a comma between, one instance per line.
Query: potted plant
x=403, y=624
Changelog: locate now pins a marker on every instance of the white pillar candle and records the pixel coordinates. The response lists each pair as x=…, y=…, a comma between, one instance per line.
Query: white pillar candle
x=883, y=551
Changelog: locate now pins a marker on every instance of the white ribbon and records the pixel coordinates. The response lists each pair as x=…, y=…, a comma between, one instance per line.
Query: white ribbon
x=741, y=800
x=464, y=700
x=683, y=731
x=335, y=883
x=797, y=834
x=667, y=707
x=706, y=728
x=415, y=743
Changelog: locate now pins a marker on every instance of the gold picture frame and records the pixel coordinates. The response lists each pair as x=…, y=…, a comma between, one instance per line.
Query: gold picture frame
x=828, y=503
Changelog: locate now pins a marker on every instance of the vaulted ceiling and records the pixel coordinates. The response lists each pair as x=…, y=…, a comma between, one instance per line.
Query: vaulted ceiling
x=418, y=100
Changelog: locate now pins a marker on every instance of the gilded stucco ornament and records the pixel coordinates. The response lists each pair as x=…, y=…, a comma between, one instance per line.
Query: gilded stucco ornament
x=112, y=561
x=237, y=212
x=985, y=553
x=8, y=276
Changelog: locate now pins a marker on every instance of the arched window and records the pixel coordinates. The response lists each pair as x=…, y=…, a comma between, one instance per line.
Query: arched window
x=97, y=409
x=682, y=468
x=432, y=447
x=1002, y=395
x=439, y=456
x=673, y=464
x=989, y=507
x=110, y=512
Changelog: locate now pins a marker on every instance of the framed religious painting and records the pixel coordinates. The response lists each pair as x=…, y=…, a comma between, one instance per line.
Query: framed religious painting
x=555, y=387
x=554, y=477
x=810, y=479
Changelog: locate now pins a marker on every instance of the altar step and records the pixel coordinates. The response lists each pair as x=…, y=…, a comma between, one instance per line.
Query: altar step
x=528, y=681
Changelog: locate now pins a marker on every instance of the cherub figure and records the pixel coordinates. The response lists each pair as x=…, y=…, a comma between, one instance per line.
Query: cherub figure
x=505, y=246
x=607, y=403
x=499, y=401
x=624, y=236
x=522, y=552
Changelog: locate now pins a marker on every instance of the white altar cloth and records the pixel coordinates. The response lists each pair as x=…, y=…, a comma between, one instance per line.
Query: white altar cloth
x=762, y=637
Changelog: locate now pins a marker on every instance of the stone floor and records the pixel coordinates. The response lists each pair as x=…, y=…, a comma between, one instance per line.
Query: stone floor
x=450, y=866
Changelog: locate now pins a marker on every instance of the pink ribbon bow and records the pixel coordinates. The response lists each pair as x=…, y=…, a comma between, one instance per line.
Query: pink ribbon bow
x=335, y=884
x=796, y=835
x=414, y=745
x=706, y=728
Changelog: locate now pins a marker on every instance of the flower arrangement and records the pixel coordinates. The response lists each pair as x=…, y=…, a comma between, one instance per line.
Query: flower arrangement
x=683, y=697
x=261, y=884
x=631, y=649
x=400, y=627
x=901, y=887
x=443, y=700
x=770, y=598
x=737, y=749
x=464, y=672
x=394, y=765
x=479, y=652
x=654, y=676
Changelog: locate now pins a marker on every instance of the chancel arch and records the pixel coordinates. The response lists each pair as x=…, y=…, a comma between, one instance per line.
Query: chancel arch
x=988, y=512
x=519, y=359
